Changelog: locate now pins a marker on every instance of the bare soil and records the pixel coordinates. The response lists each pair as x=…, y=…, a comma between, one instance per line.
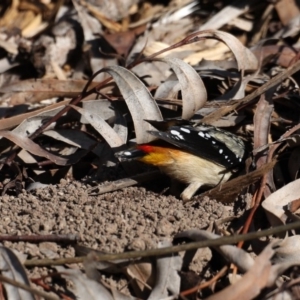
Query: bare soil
x=130, y=219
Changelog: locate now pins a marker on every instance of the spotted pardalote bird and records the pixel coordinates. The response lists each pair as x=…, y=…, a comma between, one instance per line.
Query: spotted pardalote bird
x=199, y=156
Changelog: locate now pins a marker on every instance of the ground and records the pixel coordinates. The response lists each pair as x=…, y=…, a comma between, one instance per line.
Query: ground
x=130, y=219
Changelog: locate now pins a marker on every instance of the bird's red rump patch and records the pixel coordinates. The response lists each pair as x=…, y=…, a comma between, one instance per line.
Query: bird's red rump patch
x=145, y=148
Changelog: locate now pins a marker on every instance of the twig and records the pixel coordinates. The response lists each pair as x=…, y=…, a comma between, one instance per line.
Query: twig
x=27, y=288
x=201, y=286
x=34, y=238
x=123, y=183
x=169, y=250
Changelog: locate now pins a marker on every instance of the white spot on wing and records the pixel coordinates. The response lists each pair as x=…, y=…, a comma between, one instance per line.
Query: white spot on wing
x=213, y=142
x=175, y=132
x=176, y=135
x=185, y=130
x=221, y=151
x=127, y=153
x=208, y=135
x=201, y=134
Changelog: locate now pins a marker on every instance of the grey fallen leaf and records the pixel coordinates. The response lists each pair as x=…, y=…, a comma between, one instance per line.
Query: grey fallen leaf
x=72, y=137
x=102, y=106
x=246, y=60
x=238, y=91
x=80, y=140
x=30, y=146
x=226, y=121
x=235, y=255
x=90, y=25
x=141, y=276
x=167, y=278
x=168, y=89
x=228, y=13
x=120, y=127
x=262, y=275
x=194, y=95
x=92, y=266
x=141, y=104
x=36, y=185
x=206, y=65
x=289, y=30
x=178, y=13
x=30, y=125
x=11, y=267
x=288, y=250
x=250, y=285
x=107, y=132
x=275, y=203
x=5, y=65
x=120, y=296
x=279, y=294
x=85, y=288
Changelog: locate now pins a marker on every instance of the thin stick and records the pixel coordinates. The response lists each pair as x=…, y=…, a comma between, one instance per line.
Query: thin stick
x=227, y=240
x=123, y=183
x=201, y=286
x=28, y=288
x=38, y=238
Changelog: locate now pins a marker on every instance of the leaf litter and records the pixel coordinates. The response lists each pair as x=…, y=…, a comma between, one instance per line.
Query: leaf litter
x=78, y=81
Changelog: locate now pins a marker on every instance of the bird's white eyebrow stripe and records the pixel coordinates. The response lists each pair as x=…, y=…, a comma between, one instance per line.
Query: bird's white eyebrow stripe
x=185, y=130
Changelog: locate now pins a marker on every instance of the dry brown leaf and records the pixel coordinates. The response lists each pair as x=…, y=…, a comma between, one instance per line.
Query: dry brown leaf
x=250, y=285
x=275, y=203
x=288, y=250
x=168, y=89
x=167, y=278
x=228, y=191
x=194, y=95
x=30, y=146
x=141, y=104
x=279, y=54
x=239, y=257
x=141, y=276
x=287, y=10
x=103, y=107
x=228, y=13
x=110, y=136
x=90, y=25
x=262, y=123
x=72, y=137
x=85, y=288
x=246, y=60
x=11, y=122
x=262, y=118
x=34, y=90
x=12, y=268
